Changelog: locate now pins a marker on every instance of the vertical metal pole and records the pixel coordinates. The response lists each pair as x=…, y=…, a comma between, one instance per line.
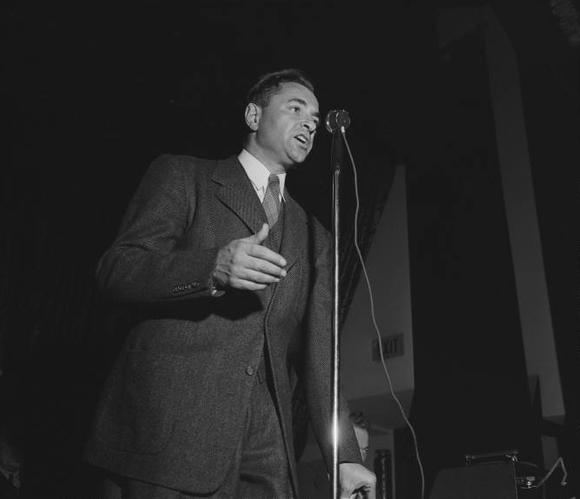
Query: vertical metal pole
x=336, y=158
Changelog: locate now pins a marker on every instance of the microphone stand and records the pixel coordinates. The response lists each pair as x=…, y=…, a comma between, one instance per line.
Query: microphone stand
x=336, y=123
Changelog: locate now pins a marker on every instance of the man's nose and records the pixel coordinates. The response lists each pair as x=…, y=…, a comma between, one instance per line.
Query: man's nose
x=310, y=125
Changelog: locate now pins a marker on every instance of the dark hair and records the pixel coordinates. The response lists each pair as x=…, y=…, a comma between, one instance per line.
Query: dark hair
x=357, y=418
x=268, y=84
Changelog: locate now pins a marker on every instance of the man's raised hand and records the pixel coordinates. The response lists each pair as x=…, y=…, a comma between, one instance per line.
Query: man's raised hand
x=246, y=264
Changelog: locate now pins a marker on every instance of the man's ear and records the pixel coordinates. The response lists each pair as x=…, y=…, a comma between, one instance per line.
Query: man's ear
x=253, y=115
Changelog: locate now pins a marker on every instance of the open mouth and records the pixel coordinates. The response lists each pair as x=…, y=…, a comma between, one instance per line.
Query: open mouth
x=302, y=139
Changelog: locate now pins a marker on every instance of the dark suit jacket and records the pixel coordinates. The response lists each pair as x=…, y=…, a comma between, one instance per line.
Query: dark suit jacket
x=173, y=408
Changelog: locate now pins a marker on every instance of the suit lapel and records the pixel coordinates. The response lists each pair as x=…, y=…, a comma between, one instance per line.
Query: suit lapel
x=238, y=194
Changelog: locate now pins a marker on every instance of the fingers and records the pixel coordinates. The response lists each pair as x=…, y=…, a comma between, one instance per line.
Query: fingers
x=260, y=236
x=246, y=264
x=367, y=493
x=258, y=267
x=358, y=492
x=248, y=285
x=256, y=276
x=356, y=478
x=271, y=258
x=260, y=251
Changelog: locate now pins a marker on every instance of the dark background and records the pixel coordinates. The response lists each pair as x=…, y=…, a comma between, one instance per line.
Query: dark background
x=91, y=94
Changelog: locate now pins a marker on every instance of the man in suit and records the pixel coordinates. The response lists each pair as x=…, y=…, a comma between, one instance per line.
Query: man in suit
x=230, y=280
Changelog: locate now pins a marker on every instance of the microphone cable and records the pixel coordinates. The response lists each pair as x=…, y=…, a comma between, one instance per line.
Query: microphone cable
x=373, y=316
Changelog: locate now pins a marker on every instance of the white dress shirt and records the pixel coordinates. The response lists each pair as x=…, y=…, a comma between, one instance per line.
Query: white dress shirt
x=259, y=174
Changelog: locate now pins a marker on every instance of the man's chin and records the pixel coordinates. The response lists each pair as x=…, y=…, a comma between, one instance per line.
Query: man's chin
x=297, y=160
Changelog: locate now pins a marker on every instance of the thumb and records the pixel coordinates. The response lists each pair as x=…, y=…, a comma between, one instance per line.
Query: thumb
x=261, y=235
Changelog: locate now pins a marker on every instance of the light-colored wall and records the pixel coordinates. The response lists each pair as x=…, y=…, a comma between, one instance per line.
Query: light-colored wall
x=518, y=190
x=387, y=262
x=524, y=234
x=363, y=381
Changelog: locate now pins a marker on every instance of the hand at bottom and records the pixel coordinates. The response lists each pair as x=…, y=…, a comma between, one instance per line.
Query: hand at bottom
x=355, y=479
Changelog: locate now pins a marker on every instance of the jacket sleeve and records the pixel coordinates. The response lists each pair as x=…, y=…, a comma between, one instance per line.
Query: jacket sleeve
x=318, y=360
x=145, y=263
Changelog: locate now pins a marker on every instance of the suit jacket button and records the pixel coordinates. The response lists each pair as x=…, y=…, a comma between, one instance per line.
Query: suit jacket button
x=250, y=371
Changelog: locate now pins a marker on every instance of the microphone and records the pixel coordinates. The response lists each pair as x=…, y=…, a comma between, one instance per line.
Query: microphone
x=337, y=119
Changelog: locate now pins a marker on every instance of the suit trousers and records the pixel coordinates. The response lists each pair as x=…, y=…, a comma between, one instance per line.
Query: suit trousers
x=259, y=468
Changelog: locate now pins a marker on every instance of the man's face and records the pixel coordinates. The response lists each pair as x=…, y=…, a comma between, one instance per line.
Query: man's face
x=286, y=126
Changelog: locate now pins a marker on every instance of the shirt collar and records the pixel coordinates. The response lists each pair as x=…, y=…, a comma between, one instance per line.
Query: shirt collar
x=258, y=173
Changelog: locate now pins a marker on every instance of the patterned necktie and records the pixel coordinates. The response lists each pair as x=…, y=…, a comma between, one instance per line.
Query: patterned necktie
x=271, y=201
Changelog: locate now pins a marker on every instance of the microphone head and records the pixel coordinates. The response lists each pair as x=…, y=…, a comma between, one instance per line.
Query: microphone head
x=337, y=119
